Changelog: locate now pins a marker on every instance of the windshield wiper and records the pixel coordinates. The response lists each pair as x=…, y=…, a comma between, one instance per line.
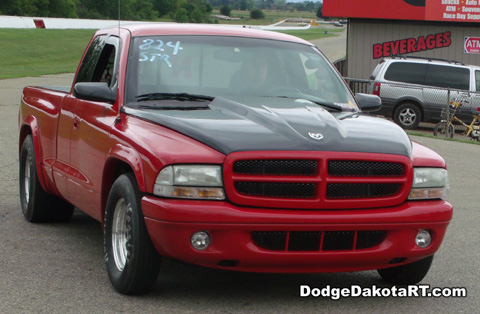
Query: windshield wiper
x=178, y=107
x=329, y=105
x=173, y=96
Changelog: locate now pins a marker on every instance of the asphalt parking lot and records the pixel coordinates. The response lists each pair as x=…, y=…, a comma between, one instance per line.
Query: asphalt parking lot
x=59, y=268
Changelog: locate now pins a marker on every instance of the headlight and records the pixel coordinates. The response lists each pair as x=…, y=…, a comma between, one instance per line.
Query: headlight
x=429, y=183
x=190, y=181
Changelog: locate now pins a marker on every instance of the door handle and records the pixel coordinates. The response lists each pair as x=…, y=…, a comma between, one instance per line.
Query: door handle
x=76, y=121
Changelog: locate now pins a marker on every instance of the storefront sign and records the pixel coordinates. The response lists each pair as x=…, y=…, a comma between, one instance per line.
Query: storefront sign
x=471, y=45
x=409, y=45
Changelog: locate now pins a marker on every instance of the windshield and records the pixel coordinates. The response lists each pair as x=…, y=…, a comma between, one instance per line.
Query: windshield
x=214, y=66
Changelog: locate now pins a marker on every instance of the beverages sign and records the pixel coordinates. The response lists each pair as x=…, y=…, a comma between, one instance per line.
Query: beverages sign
x=410, y=45
x=471, y=45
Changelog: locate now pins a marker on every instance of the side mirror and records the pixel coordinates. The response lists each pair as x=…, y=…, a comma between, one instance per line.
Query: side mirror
x=95, y=92
x=368, y=102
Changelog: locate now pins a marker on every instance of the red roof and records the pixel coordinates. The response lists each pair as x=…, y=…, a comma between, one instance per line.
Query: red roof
x=149, y=29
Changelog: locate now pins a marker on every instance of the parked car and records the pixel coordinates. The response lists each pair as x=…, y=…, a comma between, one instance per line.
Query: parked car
x=231, y=148
x=415, y=89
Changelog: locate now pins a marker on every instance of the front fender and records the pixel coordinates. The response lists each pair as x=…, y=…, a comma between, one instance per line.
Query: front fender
x=131, y=157
x=425, y=157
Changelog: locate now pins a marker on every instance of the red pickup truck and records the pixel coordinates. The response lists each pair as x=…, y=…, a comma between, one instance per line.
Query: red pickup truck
x=231, y=148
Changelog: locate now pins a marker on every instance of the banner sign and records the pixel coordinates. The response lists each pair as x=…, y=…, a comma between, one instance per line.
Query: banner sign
x=376, y=9
x=471, y=45
x=417, y=10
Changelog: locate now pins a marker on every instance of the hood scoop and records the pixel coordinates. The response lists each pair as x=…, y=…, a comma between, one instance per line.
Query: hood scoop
x=303, y=121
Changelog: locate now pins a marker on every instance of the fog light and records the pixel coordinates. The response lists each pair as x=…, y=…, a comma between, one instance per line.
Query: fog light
x=200, y=240
x=423, y=239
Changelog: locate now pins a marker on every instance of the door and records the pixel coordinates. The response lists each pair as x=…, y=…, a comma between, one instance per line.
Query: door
x=61, y=166
x=90, y=124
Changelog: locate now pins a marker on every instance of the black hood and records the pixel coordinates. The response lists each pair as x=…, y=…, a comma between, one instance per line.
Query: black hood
x=280, y=124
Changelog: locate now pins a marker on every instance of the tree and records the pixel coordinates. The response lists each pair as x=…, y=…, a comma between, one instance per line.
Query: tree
x=181, y=16
x=309, y=6
x=195, y=10
x=61, y=8
x=163, y=7
x=47, y=8
x=243, y=5
x=147, y=10
x=257, y=14
x=280, y=4
x=208, y=7
x=320, y=12
x=197, y=16
x=141, y=10
x=225, y=10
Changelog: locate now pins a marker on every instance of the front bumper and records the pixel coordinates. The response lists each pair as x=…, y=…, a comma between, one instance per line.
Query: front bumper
x=171, y=223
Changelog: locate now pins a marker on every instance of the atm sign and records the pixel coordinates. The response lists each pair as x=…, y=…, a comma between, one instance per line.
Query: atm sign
x=471, y=45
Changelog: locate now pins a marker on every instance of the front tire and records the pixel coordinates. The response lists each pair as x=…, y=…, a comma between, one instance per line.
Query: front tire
x=408, y=116
x=132, y=261
x=408, y=274
x=38, y=205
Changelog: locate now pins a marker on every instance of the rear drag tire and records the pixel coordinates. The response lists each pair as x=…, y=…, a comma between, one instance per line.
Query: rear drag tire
x=38, y=205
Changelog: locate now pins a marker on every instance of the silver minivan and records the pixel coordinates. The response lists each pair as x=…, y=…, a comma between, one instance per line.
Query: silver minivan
x=415, y=89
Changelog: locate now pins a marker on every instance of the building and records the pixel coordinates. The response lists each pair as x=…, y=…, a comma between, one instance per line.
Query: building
x=444, y=29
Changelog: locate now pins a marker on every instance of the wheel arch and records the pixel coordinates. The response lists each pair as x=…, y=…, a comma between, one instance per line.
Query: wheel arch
x=30, y=127
x=121, y=159
x=412, y=101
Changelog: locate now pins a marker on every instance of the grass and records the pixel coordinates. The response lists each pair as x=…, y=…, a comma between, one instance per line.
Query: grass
x=35, y=52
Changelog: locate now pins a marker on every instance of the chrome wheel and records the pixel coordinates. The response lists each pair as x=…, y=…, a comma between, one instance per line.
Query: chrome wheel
x=26, y=178
x=120, y=234
x=407, y=116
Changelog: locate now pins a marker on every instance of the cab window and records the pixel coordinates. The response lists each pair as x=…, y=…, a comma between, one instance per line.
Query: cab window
x=99, y=62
